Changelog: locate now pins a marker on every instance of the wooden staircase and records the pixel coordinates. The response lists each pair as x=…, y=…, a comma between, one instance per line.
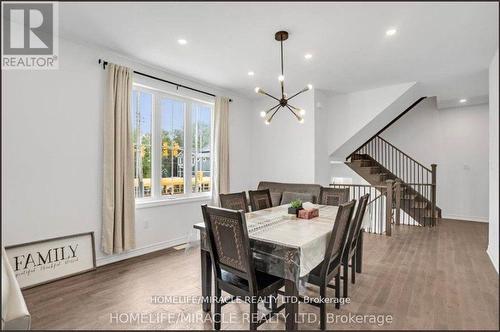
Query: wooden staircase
x=414, y=186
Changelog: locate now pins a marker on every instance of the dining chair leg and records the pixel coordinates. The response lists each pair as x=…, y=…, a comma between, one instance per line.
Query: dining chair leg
x=322, y=308
x=345, y=281
x=217, y=308
x=253, y=316
x=353, y=269
x=337, y=290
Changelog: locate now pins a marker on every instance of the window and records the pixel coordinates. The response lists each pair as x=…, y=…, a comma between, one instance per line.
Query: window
x=142, y=112
x=201, y=124
x=172, y=145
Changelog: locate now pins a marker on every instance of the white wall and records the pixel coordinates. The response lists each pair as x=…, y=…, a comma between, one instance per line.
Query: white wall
x=456, y=140
x=493, y=164
x=355, y=117
x=321, y=158
x=52, y=154
x=284, y=150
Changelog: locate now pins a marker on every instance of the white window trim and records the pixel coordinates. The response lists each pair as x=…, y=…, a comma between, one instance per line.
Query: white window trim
x=143, y=203
x=156, y=198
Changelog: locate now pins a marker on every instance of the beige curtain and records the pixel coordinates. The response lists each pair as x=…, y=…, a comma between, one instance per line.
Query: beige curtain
x=118, y=228
x=221, y=148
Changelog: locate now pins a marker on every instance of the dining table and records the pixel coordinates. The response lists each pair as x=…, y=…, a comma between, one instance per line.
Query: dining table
x=284, y=246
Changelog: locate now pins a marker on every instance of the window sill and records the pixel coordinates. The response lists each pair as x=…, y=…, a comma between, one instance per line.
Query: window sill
x=144, y=204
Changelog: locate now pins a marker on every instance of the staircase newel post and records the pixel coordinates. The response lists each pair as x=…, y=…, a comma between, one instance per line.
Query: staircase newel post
x=397, y=185
x=388, y=208
x=433, y=195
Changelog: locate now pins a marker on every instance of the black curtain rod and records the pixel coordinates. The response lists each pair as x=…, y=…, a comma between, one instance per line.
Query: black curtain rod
x=105, y=63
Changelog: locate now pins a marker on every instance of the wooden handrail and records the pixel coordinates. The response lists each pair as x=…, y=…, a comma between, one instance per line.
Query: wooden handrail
x=377, y=205
x=355, y=185
x=404, y=154
x=389, y=124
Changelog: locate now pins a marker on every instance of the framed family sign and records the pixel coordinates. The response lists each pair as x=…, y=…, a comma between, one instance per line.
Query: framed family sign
x=39, y=262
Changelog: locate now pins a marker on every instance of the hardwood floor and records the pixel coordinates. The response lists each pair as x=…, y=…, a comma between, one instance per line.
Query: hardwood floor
x=439, y=278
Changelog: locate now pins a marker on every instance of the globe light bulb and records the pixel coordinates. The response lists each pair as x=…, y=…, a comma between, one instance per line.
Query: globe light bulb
x=309, y=87
x=281, y=78
x=391, y=32
x=301, y=121
x=262, y=114
x=267, y=122
x=257, y=90
x=302, y=111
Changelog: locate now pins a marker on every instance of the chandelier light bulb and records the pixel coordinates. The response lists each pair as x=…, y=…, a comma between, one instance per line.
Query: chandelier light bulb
x=391, y=32
x=263, y=114
x=281, y=78
x=309, y=87
x=301, y=121
x=302, y=111
x=257, y=90
x=267, y=122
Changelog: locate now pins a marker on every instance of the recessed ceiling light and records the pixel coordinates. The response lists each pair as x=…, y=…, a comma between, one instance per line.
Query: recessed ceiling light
x=182, y=41
x=463, y=100
x=391, y=32
x=308, y=56
x=251, y=73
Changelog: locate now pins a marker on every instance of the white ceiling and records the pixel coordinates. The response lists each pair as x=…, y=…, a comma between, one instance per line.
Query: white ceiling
x=439, y=44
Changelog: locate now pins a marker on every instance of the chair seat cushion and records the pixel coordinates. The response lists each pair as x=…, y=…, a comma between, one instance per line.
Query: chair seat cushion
x=264, y=280
x=290, y=196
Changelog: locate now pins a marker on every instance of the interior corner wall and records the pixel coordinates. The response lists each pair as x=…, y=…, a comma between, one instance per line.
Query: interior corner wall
x=354, y=117
x=321, y=155
x=456, y=139
x=493, y=162
x=52, y=129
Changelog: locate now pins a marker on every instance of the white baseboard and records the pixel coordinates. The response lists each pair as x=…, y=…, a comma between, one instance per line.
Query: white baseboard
x=465, y=218
x=495, y=263
x=100, y=261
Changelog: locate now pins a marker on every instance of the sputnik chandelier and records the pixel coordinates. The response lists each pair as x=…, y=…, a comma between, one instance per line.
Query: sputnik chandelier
x=283, y=102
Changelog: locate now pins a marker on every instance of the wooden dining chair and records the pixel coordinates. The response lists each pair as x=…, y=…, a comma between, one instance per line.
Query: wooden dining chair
x=234, y=269
x=260, y=199
x=330, y=267
x=236, y=201
x=333, y=196
x=351, y=246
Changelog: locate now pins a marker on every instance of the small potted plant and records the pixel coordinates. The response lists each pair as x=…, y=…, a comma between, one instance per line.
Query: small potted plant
x=295, y=207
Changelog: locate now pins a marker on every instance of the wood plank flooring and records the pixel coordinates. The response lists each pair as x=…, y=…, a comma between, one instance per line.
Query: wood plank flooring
x=439, y=278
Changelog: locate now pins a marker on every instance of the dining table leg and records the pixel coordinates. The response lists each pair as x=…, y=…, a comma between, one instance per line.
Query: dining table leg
x=292, y=305
x=359, y=252
x=206, y=279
